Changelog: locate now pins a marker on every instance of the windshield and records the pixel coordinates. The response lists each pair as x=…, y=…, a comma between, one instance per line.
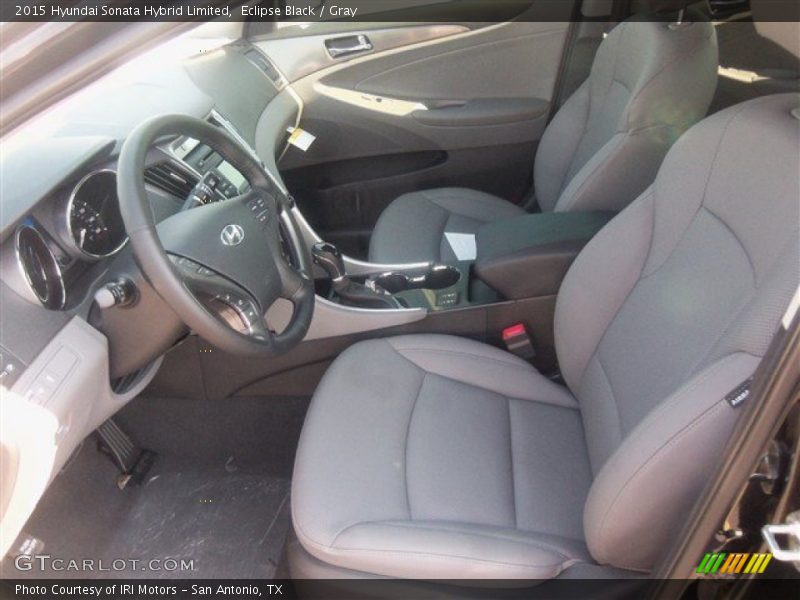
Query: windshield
x=144, y=68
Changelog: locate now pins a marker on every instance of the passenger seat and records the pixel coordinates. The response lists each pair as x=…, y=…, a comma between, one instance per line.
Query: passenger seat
x=650, y=81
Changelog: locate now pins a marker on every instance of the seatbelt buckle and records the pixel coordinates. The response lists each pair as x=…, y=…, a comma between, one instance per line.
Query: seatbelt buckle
x=518, y=341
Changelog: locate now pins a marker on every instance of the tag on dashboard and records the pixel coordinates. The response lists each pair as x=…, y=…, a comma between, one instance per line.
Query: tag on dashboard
x=300, y=138
x=463, y=245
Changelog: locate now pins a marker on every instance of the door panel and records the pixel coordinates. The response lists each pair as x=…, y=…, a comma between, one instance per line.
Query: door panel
x=482, y=111
x=506, y=60
x=343, y=199
x=297, y=57
x=429, y=106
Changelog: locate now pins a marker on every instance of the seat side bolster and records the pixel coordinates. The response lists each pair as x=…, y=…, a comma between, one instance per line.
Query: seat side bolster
x=617, y=173
x=431, y=550
x=690, y=66
x=558, y=146
x=634, y=510
x=598, y=283
x=481, y=366
x=344, y=415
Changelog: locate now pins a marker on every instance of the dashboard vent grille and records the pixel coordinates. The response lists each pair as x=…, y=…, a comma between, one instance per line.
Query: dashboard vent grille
x=259, y=60
x=262, y=63
x=171, y=178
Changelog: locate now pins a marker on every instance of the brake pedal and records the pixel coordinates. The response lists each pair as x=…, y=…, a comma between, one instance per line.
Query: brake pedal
x=133, y=461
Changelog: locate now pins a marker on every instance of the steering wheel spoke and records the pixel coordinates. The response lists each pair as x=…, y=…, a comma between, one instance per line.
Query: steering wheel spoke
x=226, y=300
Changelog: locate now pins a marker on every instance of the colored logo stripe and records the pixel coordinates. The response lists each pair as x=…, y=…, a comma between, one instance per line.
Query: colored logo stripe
x=733, y=563
x=758, y=563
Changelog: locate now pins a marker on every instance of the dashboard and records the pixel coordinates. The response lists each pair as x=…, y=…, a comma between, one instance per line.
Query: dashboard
x=61, y=232
x=67, y=363
x=92, y=217
x=81, y=224
x=87, y=227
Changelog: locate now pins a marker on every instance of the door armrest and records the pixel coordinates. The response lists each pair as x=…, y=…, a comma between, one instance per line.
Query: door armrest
x=483, y=111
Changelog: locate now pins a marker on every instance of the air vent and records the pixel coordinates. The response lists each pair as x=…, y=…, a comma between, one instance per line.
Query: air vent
x=262, y=63
x=171, y=178
x=40, y=267
x=266, y=67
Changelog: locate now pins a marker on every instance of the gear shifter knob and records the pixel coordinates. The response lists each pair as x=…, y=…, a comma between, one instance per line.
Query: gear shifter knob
x=330, y=259
x=349, y=292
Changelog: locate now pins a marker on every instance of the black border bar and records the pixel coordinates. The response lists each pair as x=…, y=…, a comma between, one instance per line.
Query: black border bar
x=427, y=11
x=389, y=589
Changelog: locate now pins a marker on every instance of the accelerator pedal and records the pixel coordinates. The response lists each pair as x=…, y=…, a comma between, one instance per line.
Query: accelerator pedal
x=133, y=461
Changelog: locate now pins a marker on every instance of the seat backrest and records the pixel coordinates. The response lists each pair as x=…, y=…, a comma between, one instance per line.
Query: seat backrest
x=650, y=81
x=668, y=309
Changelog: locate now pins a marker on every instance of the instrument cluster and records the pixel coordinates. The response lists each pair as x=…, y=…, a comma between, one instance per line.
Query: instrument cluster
x=93, y=220
x=85, y=227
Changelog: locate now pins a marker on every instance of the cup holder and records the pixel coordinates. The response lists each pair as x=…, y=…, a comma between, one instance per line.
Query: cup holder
x=441, y=277
x=438, y=278
x=393, y=282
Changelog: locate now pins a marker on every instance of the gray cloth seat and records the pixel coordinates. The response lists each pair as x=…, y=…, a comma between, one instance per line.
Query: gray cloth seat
x=414, y=442
x=435, y=457
x=648, y=84
x=413, y=227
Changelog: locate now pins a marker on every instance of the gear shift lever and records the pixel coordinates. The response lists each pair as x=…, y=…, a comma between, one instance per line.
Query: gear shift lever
x=330, y=259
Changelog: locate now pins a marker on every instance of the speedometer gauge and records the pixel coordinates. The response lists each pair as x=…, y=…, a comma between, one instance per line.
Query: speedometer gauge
x=95, y=223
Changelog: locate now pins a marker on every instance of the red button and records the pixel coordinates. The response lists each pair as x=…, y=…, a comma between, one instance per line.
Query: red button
x=514, y=331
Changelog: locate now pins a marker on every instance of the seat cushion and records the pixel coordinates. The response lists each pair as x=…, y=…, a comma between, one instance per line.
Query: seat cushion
x=438, y=457
x=412, y=228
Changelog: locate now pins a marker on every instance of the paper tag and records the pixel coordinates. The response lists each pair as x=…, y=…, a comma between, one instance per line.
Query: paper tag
x=300, y=138
x=463, y=245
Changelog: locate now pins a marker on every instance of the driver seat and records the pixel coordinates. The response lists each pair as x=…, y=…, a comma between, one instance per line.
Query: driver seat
x=436, y=457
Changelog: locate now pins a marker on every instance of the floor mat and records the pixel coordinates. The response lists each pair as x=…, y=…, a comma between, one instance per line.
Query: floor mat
x=259, y=433
x=226, y=523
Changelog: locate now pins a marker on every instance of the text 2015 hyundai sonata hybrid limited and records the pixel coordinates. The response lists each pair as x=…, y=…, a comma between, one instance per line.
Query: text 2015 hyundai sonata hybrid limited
x=400, y=299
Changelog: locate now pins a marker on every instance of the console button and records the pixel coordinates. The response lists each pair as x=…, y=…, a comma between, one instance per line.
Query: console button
x=447, y=299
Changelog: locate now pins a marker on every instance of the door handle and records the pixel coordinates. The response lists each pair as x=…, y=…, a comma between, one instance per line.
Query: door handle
x=350, y=44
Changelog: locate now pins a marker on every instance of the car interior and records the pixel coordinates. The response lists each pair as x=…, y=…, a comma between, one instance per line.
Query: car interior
x=418, y=300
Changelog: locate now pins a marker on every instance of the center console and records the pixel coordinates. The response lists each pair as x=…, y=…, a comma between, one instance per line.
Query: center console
x=514, y=279
x=525, y=258
x=438, y=287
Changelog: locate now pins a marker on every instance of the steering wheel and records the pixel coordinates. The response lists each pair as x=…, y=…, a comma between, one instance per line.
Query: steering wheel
x=220, y=266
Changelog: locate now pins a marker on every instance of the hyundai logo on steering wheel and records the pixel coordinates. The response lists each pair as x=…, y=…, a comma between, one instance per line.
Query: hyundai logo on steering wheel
x=232, y=235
